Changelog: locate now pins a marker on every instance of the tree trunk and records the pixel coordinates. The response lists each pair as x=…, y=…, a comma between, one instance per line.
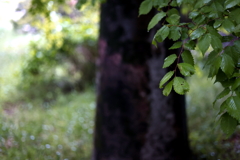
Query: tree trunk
x=133, y=120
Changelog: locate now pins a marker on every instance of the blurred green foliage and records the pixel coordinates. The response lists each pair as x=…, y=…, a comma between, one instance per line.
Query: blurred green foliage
x=38, y=129
x=207, y=140
x=62, y=58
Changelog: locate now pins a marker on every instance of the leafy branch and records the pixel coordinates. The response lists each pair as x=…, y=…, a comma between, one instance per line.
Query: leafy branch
x=213, y=24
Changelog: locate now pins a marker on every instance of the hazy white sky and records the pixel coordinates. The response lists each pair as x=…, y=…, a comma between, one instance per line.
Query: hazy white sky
x=7, y=12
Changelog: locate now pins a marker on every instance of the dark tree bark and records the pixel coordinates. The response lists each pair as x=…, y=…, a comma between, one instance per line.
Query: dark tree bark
x=133, y=120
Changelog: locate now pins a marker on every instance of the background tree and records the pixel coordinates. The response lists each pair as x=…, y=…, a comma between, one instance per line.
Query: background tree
x=134, y=120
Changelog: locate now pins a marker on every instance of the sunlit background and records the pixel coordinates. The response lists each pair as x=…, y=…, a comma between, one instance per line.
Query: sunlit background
x=47, y=87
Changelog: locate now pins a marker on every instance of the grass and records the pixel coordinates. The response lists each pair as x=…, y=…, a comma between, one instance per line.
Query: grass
x=59, y=131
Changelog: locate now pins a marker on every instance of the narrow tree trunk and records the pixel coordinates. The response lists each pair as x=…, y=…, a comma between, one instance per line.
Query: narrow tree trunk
x=128, y=95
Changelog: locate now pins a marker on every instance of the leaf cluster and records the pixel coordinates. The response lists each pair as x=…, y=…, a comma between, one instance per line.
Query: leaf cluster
x=214, y=30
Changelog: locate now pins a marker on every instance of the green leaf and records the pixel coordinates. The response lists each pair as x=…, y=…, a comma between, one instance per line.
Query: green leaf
x=211, y=57
x=186, y=69
x=160, y=3
x=237, y=45
x=169, y=60
x=174, y=33
x=145, y=7
x=218, y=6
x=173, y=19
x=187, y=57
x=217, y=10
x=223, y=107
x=237, y=29
x=233, y=107
x=214, y=67
x=179, y=2
x=154, y=43
x=224, y=93
x=233, y=16
x=228, y=124
x=206, y=9
x=236, y=75
x=233, y=53
x=166, y=78
x=199, y=19
x=168, y=88
x=162, y=34
x=173, y=3
x=217, y=23
x=180, y=85
x=193, y=14
x=176, y=45
x=201, y=3
x=227, y=64
x=190, y=45
x=173, y=16
x=204, y=43
x=213, y=32
x=216, y=43
x=172, y=11
x=236, y=84
x=184, y=33
x=191, y=26
x=230, y=3
x=221, y=76
x=158, y=17
x=228, y=25
x=197, y=33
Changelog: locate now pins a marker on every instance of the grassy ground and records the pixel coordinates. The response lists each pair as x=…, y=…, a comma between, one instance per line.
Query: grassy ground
x=62, y=130
x=33, y=129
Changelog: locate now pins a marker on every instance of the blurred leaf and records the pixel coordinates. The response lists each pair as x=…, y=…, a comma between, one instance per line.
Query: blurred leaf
x=204, y=43
x=156, y=19
x=180, y=85
x=228, y=124
x=231, y=3
x=197, y=33
x=216, y=43
x=168, y=88
x=166, y=78
x=228, y=25
x=169, y=60
x=175, y=33
x=162, y=34
x=236, y=84
x=233, y=107
x=187, y=57
x=224, y=93
x=145, y=7
x=227, y=64
x=176, y=45
x=186, y=69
